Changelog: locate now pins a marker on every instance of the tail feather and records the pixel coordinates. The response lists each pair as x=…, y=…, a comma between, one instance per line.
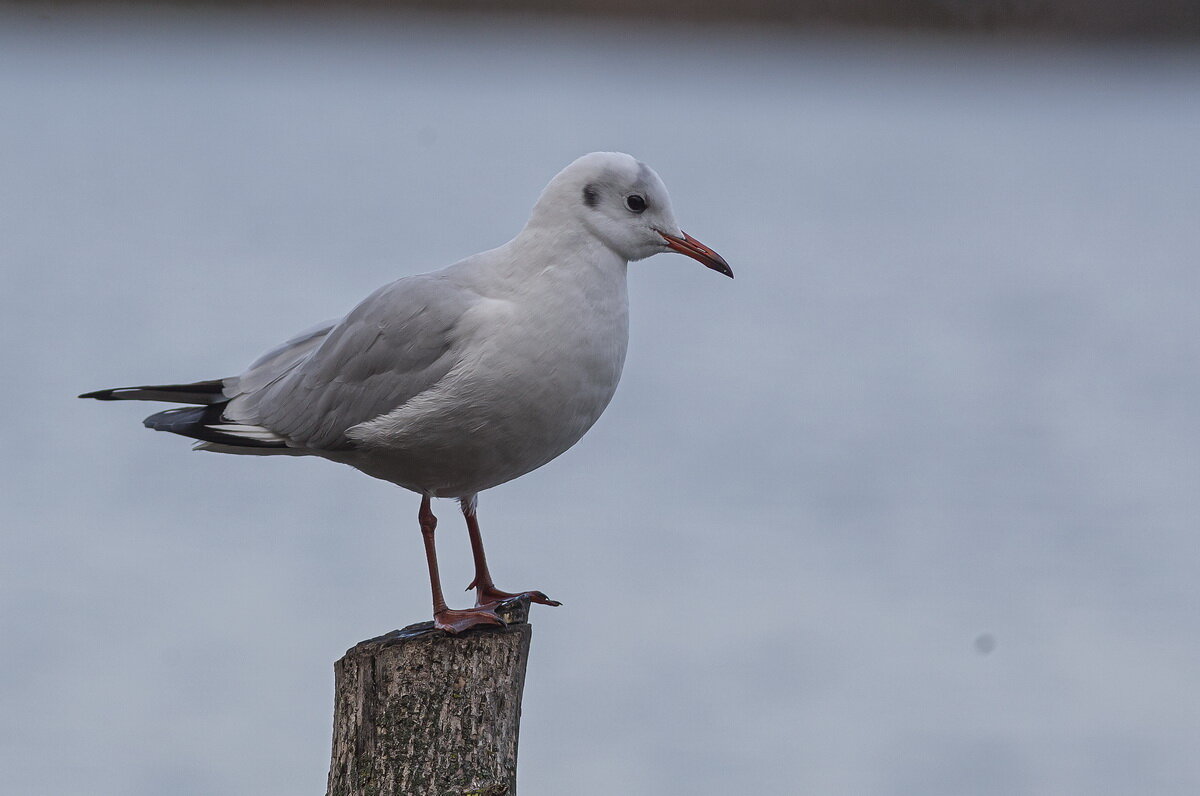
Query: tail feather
x=200, y=392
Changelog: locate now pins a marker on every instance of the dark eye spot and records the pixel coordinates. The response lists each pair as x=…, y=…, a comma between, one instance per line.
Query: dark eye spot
x=590, y=197
x=635, y=203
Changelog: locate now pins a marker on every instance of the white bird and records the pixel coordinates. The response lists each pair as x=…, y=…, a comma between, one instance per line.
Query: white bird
x=456, y=381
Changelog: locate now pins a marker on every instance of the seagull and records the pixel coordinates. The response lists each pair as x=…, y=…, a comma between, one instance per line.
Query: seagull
x=459, y=380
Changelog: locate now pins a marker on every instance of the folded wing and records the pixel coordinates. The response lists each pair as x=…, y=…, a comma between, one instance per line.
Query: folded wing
x=396, y=344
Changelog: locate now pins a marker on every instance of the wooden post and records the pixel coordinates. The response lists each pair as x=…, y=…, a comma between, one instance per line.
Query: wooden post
x=418, y=712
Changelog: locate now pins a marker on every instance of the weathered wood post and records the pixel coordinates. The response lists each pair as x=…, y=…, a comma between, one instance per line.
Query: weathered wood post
x=418, y=712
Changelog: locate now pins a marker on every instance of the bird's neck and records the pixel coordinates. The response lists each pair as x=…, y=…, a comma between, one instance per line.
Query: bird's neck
x=567, y=249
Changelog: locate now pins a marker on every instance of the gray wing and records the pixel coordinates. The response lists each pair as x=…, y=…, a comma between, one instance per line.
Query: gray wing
x=278, y=361
x=396, y=344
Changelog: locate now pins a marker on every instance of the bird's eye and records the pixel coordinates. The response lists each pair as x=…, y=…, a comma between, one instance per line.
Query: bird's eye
x=635, y=203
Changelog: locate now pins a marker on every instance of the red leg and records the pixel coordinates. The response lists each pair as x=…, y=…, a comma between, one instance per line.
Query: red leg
x=443, y=617
x=486, y=592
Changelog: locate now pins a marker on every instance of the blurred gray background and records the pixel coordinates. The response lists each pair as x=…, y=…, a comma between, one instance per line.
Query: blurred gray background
x=909, y=507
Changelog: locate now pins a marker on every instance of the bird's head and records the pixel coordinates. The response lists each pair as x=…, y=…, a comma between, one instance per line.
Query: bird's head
x=623, y=203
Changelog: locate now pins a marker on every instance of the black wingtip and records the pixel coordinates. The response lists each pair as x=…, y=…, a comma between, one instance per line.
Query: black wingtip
x=186, y=420
x=194, y=422
x=199, y=392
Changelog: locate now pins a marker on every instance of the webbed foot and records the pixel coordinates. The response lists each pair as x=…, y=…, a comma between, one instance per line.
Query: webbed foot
x=490, y=595
x=455, y=621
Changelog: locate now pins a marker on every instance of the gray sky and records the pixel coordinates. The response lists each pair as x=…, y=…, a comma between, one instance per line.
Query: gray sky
x=948, y=406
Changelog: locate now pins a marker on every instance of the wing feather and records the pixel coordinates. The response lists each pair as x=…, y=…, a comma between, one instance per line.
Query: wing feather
x=399, y=342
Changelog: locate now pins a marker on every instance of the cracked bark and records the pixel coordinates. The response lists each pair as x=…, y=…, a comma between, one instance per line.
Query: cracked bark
x=418, y=712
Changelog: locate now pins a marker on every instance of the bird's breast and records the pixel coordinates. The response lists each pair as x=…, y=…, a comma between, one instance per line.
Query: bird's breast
x=549, y=368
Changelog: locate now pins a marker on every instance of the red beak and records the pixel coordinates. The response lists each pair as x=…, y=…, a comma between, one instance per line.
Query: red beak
x=698, y=251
